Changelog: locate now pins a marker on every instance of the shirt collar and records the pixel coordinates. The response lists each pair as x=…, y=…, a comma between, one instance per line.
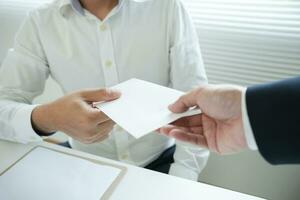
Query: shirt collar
x=65, y=6
x=75, y=5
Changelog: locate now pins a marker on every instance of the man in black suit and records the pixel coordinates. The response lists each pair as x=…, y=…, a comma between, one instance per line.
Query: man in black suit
x=264, y=117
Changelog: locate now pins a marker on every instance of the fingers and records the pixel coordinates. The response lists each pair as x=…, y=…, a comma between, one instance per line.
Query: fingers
x=190, y=121
x=102, y=132
x=107, y=125
x=186, y=136
x=97, y=116
x=197, y=130
x=97, y=138
x=210, y=133
x=166, y=129
x=185, y=102
x=95, y=95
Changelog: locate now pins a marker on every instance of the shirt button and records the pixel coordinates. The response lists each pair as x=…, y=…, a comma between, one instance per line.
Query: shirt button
x=103, y=27
x=108, y=63
x=124, y=156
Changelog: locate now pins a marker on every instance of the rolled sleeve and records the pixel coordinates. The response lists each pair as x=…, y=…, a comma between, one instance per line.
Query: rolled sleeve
x=22, y=78
x=183, y=172
x=189, y=161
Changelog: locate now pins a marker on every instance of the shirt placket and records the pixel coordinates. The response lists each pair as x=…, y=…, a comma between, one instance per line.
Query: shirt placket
x=122, y=144
x=108, y=61
x=111, y=78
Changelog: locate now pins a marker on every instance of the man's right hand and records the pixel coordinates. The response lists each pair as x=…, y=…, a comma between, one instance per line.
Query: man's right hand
x=74, y=115
x=219, y=127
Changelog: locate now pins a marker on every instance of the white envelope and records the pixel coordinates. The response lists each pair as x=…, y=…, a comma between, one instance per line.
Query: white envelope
x=143, y=107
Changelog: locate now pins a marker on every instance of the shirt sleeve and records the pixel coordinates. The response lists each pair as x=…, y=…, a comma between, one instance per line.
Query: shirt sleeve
x=246, y=124
x=22, y=78
x=189, y=161
x=187, y=72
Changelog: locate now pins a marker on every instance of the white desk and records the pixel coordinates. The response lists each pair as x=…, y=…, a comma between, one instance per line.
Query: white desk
x=138, y=183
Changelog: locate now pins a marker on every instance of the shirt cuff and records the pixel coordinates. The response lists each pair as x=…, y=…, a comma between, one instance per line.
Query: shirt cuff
x=183, y=172
x=246, y=124
x=23, y=131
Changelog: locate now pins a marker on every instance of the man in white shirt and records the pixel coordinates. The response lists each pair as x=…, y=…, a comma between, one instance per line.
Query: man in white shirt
x=97, y=44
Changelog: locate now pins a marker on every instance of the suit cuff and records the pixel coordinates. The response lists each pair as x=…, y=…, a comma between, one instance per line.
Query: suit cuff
x=21, y=123
x=183, y=172
x=246, y=124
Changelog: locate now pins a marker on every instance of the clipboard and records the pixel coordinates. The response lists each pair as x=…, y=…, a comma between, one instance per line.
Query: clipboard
x=107, y=193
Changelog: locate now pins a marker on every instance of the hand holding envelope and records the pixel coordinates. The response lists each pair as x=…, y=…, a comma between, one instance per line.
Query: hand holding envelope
x=73, y=115
x=142, y=107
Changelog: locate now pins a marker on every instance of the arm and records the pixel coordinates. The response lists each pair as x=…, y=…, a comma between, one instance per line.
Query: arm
x=273, y=111
x=187, y=71
x=22, y=78
x=223, y=126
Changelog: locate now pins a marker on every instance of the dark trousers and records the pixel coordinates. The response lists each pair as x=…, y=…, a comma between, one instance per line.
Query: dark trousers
x=161, y=164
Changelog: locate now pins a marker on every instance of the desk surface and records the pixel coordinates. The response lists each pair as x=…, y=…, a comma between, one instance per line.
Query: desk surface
x=138, y=183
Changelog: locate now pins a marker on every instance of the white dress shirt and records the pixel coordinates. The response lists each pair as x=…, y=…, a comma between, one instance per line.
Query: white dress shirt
x=246, y=124
x=153, y=40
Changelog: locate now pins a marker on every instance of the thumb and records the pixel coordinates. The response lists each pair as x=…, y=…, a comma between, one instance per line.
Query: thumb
x=185, y=102
x=95, y=95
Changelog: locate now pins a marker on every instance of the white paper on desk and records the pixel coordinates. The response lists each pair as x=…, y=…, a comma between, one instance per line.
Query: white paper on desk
x=143, y=107
x=48, y=175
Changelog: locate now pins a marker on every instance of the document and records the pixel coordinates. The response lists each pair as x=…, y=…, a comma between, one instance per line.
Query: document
x=48, y=175
x=143, y=107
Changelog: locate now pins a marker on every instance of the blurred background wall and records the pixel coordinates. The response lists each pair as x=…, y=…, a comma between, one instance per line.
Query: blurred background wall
x=243, y=42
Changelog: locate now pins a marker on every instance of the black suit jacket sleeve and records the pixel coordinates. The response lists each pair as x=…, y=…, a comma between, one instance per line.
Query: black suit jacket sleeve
x=274, y=114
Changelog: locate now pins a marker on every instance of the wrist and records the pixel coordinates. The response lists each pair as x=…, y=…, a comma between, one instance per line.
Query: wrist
x=41, y=120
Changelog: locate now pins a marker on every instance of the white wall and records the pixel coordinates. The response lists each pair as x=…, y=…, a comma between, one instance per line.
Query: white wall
x=246, y=172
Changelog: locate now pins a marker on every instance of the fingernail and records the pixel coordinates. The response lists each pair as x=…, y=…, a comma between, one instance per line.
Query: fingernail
x=171, y=107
